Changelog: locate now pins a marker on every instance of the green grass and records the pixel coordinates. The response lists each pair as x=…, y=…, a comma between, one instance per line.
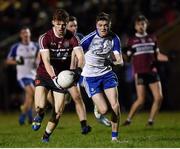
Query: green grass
x=165, y=133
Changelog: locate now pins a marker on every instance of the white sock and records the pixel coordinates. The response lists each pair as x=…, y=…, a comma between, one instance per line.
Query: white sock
x=150, y=120
x=128, y=119
x=48, y=131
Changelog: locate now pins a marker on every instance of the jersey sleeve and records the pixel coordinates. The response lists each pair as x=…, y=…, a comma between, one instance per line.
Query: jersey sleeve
x=156, y=48
x=86, y=41
x=12, y=52
x=37, y=47
x=116, y=45
x=43, y=43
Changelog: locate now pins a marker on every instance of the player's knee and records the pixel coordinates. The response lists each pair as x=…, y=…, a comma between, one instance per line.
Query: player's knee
x=158, y=99
x=103, y=110
x=140, y=101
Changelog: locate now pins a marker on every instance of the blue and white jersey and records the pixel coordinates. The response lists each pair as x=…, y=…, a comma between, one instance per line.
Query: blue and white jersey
x=96, y=50
x=29, y=53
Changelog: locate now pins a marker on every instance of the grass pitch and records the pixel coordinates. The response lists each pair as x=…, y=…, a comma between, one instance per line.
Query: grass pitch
x=165, y=133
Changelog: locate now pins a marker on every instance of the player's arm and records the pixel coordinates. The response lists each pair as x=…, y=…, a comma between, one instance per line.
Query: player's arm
x=74, y=61
x=159, y=55
x=79, y=62
x=10, y=62
x=118, y=59
x=12, y=58
x=50, y=70
x=46, y=60
x=162, y=57
x=79, y=54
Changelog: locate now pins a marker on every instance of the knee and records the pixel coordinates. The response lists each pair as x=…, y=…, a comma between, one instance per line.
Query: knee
x=103, y=110
x=158, y=99
x=140, y=101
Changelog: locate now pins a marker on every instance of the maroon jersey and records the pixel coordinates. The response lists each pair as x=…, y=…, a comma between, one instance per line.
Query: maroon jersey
x=144, y=53
x=60, y=51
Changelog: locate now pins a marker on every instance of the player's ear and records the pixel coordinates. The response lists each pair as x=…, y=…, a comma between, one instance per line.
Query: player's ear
x=52, y=22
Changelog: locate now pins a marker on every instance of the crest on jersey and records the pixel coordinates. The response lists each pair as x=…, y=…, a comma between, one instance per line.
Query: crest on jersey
x=66, y=44
x=53, y=44
x=143, y=40
x=150, y=40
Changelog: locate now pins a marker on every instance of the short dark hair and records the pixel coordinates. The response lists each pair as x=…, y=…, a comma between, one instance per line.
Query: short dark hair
x=141, y=18
x=61, y=14
x=103, y=16
x=72, y=18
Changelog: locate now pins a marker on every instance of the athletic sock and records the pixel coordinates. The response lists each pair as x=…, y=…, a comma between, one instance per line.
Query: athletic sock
x=29, y=114
x=114, y=135
x=83, y=123
x=128, y=119
x=47, y=133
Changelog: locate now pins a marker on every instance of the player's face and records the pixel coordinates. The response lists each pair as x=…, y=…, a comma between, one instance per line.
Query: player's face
x=60, y=27
x=72, y=26
x=103, y=27
x=141, y=27
x=25, y=35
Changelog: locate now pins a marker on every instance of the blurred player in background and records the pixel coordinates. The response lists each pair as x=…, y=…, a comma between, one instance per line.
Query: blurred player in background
x=102, y=49
x=56, y=48
x=23, y=54
x=145, y=54
x=73, y=26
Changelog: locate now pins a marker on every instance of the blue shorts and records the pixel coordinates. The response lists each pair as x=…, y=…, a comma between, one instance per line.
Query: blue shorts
x=94, y=85
x=25, y=82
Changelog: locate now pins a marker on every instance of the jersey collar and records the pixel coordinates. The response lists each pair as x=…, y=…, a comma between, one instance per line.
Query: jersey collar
x=140, y=35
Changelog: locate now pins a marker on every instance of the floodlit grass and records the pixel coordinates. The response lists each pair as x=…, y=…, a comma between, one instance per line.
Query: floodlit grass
x=165, y=132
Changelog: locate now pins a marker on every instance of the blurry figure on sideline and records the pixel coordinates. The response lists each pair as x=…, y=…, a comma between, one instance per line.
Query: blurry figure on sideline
x=24, y=54
x=73, y=26
x=143, y=50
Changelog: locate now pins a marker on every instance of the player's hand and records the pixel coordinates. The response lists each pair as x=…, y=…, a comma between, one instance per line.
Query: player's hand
x=77, y=74
x=129, y=53
x=19, y=60
x=54, y=78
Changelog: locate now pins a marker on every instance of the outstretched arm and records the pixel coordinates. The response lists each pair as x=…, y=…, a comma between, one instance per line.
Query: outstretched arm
x=162, y=57
x=46, y=60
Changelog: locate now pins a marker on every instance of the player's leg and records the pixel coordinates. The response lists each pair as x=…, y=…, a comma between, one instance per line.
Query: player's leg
x=28, y=105
x=140, y=90
x=80, y=108
x=112, y=95
x=56, y=113
x=156, y=90
x=101, y=118
x=40, y=102
x=100, y=104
